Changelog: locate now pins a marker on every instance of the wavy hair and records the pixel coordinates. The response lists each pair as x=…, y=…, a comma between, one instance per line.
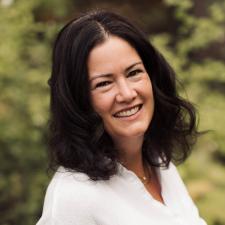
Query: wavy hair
x=77, y=139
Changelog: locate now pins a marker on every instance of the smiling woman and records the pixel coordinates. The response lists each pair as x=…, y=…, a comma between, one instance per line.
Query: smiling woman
x=121, y=91
x=117, y=126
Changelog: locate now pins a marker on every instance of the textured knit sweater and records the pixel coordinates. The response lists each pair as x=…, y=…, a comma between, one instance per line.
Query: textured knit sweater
x=73, y=199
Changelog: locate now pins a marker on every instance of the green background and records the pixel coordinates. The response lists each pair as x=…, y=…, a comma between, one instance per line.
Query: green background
x=190, y=34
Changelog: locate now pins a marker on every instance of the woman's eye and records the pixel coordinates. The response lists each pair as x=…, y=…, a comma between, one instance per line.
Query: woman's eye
x=102, y=84
x=134, y=72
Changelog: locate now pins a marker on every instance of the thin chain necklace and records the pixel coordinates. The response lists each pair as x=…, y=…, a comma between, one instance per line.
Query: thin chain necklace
x=146, y=179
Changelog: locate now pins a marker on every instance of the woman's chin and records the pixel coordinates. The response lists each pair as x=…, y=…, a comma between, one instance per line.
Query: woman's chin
x=129, y=133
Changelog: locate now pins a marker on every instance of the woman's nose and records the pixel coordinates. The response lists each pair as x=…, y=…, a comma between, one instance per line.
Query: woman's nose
x=126, y=93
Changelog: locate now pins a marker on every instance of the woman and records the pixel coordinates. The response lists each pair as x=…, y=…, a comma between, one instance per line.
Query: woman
x=117, y=123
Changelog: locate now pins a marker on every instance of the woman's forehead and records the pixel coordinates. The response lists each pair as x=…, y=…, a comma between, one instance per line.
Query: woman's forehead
x=113, y=54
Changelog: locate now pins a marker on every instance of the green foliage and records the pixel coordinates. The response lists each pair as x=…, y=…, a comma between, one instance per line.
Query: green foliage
x=24, y=69
x=28, y=29
x=204, y=81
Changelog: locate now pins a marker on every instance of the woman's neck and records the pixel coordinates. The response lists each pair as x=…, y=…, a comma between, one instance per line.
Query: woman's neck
x=130, y=154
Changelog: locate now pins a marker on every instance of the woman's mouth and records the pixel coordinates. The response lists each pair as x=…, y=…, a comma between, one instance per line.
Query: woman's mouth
x=128, y=112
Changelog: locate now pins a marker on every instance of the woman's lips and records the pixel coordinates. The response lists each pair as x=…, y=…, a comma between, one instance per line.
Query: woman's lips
x=128, y=112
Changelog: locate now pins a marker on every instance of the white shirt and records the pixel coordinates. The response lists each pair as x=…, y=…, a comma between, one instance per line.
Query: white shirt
x=73, y=199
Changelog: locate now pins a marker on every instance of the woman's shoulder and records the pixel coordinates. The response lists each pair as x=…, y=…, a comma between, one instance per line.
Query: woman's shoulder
x=69, y=190
x=70, y=196
x=170, y=173
x=71, y=184
x=69, y=176
x=170, y=178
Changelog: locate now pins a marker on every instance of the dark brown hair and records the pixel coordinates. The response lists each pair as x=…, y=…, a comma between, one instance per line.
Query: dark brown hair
x=77, y=138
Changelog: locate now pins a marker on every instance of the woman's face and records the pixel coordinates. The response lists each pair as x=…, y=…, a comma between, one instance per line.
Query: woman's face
x=121, y=90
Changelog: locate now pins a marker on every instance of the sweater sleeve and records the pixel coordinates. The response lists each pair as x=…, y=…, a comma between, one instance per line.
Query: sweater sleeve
x=68, y=202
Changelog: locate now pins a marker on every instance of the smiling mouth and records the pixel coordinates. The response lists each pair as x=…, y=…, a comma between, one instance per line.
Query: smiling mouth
x=128, y=112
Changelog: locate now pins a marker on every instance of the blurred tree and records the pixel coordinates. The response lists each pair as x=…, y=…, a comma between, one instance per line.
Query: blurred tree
x=203, y=75
x=24, y=69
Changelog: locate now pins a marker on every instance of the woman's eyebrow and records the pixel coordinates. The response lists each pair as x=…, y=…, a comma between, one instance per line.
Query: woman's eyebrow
x=132, y=65
x=110, y=74
x=101, y=75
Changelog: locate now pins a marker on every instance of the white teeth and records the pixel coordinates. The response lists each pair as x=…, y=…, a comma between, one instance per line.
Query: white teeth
x=128, y=112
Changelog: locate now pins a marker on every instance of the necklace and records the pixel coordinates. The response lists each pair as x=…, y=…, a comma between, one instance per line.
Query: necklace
x=145, y=179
